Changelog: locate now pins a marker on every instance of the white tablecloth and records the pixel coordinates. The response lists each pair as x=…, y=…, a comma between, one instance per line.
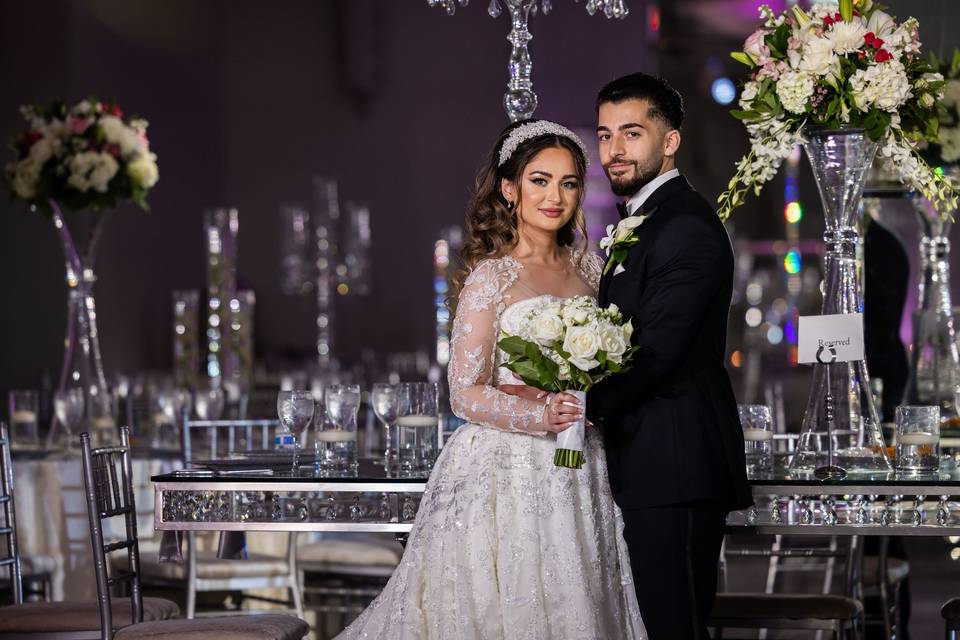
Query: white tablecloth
x=52, y=524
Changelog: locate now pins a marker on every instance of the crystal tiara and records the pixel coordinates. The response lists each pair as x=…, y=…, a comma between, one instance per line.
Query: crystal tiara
x=533, y=129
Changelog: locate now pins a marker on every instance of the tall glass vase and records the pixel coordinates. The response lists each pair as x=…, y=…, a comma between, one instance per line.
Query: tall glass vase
x=82, y=365
x=934, y=377
x=841, y=426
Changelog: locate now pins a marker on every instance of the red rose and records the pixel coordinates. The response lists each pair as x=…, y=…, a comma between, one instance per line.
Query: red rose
x=883, y=55
x=115, y=110
x=29, y=138
x=827, y=21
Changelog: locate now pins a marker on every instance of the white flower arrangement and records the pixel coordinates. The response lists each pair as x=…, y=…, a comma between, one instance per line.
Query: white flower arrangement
x=84, y=157
x=856, y=67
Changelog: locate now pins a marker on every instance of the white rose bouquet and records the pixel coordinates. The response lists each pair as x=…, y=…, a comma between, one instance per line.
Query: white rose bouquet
x=857, y=67
x=569, y=345
x=84, y=157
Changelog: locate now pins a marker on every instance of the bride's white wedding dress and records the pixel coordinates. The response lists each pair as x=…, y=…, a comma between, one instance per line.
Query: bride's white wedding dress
x=505, y=544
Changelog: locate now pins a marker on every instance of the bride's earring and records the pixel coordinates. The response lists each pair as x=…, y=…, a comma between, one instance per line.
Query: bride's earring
x=510, y=206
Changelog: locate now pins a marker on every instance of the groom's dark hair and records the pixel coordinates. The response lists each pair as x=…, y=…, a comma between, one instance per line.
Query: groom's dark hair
x=666, y=104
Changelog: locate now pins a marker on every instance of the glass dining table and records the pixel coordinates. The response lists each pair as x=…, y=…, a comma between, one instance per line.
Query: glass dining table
x=250, y=494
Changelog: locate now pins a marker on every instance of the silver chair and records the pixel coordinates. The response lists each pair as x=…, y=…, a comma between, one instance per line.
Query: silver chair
x=9, y=529
x=951, y=616
x=108, y=485
x=217, y=440
x=839, y=614
x=55, y=620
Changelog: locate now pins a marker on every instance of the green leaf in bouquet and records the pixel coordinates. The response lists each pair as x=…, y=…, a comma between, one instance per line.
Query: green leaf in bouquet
x=743, y=57
x=533, y=353
x=602, y=357
x=513, y=345
x=526, y=370
x=751, y=114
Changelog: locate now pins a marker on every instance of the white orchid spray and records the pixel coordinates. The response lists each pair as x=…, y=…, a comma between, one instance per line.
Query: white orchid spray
x=569, y=345
x=856, y=67
x=619, y=239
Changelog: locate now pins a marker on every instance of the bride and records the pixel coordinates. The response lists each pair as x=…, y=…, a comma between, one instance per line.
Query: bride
x=505, y=544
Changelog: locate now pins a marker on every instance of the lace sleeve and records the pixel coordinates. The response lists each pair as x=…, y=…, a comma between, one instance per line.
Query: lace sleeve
x=473, y=354
x=591, y=268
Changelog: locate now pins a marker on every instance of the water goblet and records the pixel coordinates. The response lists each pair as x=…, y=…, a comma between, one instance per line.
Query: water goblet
x=383, y=397
x=68, y=407
x=295, y=410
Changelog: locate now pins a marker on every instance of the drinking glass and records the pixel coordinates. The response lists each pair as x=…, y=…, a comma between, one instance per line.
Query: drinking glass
x=23, y=419
x=417, y=418
x=757, y=423
x=918, y=439
x=383, y=397
x=336, y=443
x=295, y=410
x=209, y=403
x=68, y=408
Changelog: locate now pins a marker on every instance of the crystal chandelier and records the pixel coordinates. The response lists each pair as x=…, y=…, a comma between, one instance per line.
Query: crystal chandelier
x=520, y=101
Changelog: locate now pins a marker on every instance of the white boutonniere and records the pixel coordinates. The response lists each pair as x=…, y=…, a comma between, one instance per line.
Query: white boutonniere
x=619, y=240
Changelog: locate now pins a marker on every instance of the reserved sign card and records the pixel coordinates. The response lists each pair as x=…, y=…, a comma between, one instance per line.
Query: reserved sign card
x=833, y=338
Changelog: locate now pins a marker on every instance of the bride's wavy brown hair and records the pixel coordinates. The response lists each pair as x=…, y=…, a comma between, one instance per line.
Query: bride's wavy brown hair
x=491, y=228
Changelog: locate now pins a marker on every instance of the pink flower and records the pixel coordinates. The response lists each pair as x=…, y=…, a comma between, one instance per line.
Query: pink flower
x=78, y=124
x=755, y=47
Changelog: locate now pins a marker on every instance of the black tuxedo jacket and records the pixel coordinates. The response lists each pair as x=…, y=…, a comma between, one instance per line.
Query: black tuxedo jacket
x=670, y=423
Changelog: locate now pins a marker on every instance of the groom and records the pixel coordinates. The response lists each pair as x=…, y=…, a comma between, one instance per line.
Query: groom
x=672, y=434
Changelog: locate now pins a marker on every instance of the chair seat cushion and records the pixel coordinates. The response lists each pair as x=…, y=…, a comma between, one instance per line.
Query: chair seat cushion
x=39, y=617
x=251, y=627
x=951, y=610
x=336, y=551
x=209, y=567
x=784, y=606
x=897, y=570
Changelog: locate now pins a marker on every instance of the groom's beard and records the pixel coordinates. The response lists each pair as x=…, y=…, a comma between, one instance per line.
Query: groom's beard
x=629, y=182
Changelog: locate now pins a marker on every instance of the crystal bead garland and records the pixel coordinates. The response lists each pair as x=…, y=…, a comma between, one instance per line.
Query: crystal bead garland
x=840, y=393
x=934, y=359
x=520, y=101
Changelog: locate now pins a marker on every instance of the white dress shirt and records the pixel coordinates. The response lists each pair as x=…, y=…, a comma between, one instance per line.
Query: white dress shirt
x=637, y=200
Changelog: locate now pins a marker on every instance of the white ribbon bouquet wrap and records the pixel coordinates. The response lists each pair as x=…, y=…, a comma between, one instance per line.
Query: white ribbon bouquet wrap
x=569, y=345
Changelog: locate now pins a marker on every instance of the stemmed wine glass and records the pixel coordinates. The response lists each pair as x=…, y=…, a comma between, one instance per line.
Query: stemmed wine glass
x=68, y=406
x=383, y=397
x=209, y=403
x=295, y=410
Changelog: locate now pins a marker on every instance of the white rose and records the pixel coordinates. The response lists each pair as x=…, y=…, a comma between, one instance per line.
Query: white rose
x=582, y=344
x=24, y=180
x=92, y=170
x=846, y=37
x=612, y=342
x=614, y=309
x=818, y=56
x=546, y=328
x=115, y=131
x=43, y=149
x=927, y=100
x=143, y=171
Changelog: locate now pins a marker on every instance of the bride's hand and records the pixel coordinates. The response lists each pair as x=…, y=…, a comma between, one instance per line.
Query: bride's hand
x=560, y=411
x=524, y=391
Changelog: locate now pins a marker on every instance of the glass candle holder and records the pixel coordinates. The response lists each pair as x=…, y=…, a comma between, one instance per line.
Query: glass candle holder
x=757, y=423
x=918, y=439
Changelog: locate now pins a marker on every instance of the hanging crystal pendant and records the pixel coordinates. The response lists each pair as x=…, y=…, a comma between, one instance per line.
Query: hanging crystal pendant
x=934, y=359
x=841, y=420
